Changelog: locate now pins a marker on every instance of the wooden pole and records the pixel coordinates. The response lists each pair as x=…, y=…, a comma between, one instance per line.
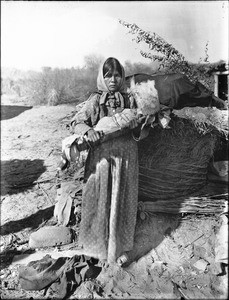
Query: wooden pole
x=216, y=86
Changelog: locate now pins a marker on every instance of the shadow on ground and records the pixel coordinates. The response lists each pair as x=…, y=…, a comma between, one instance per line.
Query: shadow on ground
x=19, y=175
x=12, y=111
x=151, y=232
x=33, y=221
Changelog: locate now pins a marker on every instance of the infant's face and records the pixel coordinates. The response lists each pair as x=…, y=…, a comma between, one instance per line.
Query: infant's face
x=113, y=81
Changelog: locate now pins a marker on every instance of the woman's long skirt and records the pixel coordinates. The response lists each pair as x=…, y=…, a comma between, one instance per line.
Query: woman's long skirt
x=110, y=197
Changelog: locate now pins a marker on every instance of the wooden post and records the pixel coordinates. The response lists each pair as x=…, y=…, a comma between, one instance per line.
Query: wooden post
x=216, y=87
x=227, y=87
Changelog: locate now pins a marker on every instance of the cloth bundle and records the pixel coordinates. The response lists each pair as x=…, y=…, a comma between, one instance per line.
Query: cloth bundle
x=64, y=201
x=62, y=275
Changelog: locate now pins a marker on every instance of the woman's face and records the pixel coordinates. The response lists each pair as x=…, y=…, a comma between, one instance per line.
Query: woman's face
x=113, y=81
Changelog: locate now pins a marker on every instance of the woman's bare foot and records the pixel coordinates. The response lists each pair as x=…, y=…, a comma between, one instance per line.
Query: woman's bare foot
x=123, y=259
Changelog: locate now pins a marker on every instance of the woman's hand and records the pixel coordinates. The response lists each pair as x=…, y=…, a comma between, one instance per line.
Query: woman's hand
x=133, y=123
x=93, y=137
x=136, y=121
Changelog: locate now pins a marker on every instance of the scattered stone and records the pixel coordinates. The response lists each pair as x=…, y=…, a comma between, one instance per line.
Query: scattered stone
x=50, y=236
x=199, y=251
x=201, y=265
x=84, y=291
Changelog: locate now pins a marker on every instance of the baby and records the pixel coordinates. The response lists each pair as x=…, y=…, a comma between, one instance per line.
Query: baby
x=116, y=122
x=146, y=97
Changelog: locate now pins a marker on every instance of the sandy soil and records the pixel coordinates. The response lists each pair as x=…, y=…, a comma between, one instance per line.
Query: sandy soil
x=164, y=261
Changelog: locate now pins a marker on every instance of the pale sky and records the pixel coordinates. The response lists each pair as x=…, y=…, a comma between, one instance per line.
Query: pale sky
x=61, y=33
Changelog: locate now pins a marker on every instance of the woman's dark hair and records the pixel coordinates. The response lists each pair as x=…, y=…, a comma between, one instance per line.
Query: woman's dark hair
x=111, y=65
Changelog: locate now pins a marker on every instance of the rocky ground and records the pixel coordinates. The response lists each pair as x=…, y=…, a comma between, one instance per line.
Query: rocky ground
x=174, y=256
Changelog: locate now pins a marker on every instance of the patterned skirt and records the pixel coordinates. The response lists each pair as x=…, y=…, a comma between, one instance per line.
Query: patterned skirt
x=110, y=197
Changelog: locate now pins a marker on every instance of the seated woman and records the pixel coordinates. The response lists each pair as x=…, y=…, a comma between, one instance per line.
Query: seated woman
x=110, y=194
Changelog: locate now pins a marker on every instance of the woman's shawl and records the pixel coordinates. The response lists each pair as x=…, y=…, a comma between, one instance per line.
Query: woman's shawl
x=101, y=85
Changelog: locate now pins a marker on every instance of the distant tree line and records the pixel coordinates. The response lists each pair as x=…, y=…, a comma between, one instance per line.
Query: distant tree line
x=54, y=86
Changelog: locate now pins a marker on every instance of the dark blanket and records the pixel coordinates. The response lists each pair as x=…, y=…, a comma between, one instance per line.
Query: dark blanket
x=177, y=91
x=62, y=275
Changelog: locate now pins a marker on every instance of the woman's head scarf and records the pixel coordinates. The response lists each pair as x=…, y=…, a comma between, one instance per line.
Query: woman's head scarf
x=101, y=85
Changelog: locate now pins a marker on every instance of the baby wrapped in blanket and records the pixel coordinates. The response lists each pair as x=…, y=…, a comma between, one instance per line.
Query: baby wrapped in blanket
x=117, y=122
x=146, y=97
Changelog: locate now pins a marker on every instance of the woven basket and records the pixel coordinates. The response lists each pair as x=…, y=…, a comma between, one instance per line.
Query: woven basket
x=173, y=162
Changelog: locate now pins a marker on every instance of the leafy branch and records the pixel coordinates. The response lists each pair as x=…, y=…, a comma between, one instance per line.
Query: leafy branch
x=170, y=59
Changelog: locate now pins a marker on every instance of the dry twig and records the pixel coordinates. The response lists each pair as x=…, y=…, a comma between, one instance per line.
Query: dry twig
x=44, y=192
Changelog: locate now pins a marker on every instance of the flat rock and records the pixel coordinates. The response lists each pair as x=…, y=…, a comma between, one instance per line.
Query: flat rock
x=51, y=236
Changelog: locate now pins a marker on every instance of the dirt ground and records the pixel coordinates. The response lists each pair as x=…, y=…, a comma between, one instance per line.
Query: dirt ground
x=173, y=256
